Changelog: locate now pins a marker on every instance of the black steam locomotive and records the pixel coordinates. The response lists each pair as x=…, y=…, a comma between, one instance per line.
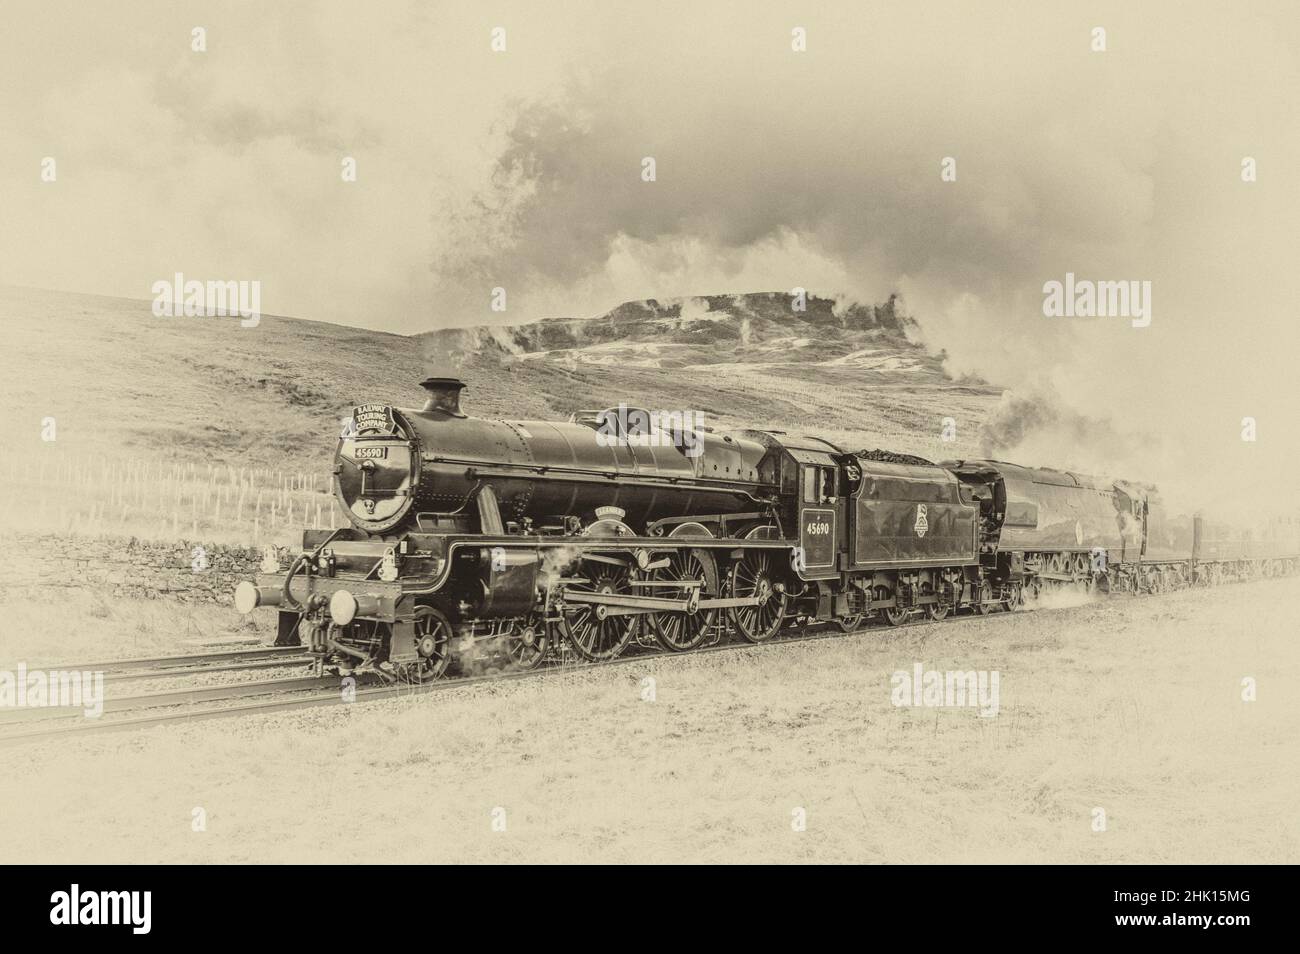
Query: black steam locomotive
x=518, y=539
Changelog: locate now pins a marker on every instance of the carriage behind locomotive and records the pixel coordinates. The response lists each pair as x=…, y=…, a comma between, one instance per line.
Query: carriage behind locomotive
x=472, y=538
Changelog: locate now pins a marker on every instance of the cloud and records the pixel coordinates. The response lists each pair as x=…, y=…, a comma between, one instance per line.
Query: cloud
x=1067, y=161
x=207, y=110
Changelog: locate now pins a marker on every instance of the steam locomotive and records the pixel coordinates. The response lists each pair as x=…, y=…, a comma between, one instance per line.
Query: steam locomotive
x=515, y=540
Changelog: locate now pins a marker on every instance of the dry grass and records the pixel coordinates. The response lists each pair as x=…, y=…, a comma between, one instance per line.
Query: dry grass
x=1131, y=704
x=46, y=625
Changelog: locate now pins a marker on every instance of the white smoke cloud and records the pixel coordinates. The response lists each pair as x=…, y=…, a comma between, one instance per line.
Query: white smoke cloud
x=1067, y=162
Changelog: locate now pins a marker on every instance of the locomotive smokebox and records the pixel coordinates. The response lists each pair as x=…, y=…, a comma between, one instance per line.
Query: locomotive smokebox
x=444, y=395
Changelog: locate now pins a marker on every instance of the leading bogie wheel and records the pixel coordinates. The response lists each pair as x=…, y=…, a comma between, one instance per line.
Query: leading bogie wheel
x=528, y=642
x=432, y=646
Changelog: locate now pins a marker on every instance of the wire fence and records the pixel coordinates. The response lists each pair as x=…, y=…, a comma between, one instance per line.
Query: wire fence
x=162, y=500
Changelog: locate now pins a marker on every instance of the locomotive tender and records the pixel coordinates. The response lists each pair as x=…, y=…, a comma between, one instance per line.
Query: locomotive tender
x=534, y=537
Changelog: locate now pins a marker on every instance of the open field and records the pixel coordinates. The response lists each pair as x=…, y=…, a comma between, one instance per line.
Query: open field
x=1132, y=705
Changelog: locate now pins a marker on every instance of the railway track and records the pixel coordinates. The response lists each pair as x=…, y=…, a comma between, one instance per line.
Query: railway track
x=154, y=675
x=317, y=691
x=232, y=658
x=178, y=697
x=187, y=704
x=178, y=667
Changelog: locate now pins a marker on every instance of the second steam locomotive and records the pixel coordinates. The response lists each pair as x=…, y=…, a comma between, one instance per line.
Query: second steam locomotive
x=516, y=540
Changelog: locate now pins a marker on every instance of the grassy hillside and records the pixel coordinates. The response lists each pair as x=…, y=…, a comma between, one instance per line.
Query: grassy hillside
x=166, y=424
x=850, y=374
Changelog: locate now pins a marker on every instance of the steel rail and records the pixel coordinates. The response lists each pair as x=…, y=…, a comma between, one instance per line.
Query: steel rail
x=174, y=697
x=176, y=662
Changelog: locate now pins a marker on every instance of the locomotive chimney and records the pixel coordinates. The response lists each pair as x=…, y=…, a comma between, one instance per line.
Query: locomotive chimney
x=444, y=395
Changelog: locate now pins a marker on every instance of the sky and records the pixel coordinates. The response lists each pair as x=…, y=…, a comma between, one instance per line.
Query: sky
x=522, y=169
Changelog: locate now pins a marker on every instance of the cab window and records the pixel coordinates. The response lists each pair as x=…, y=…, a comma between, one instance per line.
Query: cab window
x=818, y=484
x=811, y=484
x=828, y=482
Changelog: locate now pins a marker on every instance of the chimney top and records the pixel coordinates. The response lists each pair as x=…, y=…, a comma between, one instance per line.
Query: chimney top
x=444, y=395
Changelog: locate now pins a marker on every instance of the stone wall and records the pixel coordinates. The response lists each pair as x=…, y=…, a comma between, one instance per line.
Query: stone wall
x=131, y=568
